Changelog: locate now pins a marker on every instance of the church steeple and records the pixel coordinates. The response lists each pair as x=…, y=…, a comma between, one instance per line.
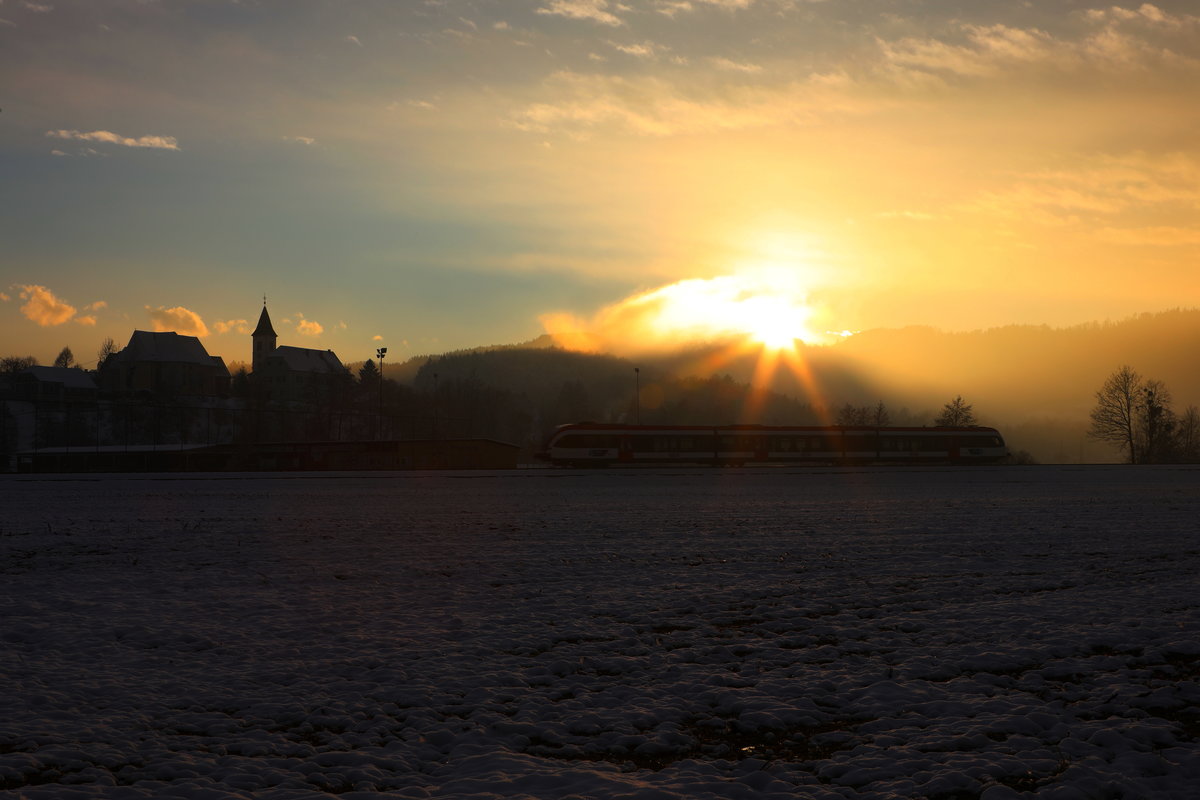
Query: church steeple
x=264, y=339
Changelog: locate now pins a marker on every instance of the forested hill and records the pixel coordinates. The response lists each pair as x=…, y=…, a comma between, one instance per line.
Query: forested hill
x=1038, y=383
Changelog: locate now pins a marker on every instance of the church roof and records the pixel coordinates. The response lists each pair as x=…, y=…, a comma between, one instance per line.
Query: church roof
x=264, y=324
x=302, y=359
x=166, y=346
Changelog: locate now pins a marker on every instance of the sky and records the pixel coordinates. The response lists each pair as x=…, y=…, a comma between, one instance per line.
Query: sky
x=431, y=176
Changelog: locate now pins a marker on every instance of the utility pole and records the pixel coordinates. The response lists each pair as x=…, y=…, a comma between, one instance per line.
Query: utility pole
x=381, y=352
x=637, y=395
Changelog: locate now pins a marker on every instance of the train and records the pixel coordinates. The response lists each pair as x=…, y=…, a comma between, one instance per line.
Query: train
x=590, y=444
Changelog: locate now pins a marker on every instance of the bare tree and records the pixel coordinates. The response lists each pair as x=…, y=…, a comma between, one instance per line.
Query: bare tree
x=880, y=417
x=1156, y=423
x=65, y=358
x=1114, y=419
x=851, y=414
x=956, y=414
x=11, y=365
x=107, y=349
x=1187, y=435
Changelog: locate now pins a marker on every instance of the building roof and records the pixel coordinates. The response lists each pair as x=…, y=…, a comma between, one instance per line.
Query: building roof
x=166, y=346
x=302, y=359
x=70, y=377
x=264, y=324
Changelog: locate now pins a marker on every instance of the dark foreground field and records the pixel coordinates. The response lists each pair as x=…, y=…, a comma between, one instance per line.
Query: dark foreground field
x=937, y=633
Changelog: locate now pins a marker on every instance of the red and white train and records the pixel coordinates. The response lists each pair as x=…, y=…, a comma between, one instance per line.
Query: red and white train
x=588, y=444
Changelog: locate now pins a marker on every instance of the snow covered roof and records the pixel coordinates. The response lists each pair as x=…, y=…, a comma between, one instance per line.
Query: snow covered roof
x=69, y=377
x=166, y=346
x=303, y=359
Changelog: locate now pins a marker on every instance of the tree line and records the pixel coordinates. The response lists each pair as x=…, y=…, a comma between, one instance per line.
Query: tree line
x=520, y=395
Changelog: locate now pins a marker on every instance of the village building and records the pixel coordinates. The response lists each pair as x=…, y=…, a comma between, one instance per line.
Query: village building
x=53, y=384
x=292, y=374
x=164, y=363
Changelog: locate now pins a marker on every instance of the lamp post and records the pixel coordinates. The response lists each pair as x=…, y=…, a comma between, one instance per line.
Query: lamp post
x=381, y=352
x=637, y=395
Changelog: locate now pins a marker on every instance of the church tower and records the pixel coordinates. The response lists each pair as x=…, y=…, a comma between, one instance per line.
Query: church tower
x=264, y=340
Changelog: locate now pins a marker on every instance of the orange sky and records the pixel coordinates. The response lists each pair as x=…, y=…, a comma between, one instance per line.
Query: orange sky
x=443, y=175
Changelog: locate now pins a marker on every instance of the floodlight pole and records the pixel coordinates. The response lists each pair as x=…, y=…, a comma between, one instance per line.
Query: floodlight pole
x=637, y=395
x=381, y=352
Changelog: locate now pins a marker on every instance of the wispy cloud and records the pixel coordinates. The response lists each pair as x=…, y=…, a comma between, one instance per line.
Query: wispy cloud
x=308, y=141
x=1156, y=236
x=88, y=320
x=226, y=325
x=654, y=106
x=735, y=66
x=42, y=307
x=594, y=10
x=354, y=40
x=1101, y=187
x=108, y=137
x=1114, y=39
x=643, y=50
x=178, y=319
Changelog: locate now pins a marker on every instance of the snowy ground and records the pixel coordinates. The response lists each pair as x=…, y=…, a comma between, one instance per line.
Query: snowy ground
x=938, y=633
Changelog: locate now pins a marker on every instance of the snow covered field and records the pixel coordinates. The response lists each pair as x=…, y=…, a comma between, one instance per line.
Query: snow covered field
x=772, y=633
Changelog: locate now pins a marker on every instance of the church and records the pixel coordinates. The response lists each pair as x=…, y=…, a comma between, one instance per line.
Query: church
x=286, y=373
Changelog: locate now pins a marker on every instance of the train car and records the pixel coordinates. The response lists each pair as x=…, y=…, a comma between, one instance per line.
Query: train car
x=588, y=444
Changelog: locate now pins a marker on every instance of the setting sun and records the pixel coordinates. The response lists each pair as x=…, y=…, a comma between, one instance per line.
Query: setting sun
x=754, y=309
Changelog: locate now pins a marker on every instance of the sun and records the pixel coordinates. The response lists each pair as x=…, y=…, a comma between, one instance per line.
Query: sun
x=776, y=322
x=766, y=313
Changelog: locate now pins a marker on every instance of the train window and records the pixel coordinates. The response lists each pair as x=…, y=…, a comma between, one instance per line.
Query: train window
x=644, y=444
x=587, y=440
x=986, y=440
x=859, y=443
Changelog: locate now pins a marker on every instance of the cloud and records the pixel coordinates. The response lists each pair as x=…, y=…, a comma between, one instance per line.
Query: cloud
x=643, y=50
x=594, y=10
x=4, y=298
x=653, y=106
x=227, y=325
x=178, y=319
x=304, y=140
x=307, y=327
x=1100, y=188
x=697, y=311
x=38, y=8
x=377, y=338
x=1115, y=40
x=86, y=320
x=1159, y=236
x=735, y=66
x=43, y=307
x=154, y=142
x=96, y=306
